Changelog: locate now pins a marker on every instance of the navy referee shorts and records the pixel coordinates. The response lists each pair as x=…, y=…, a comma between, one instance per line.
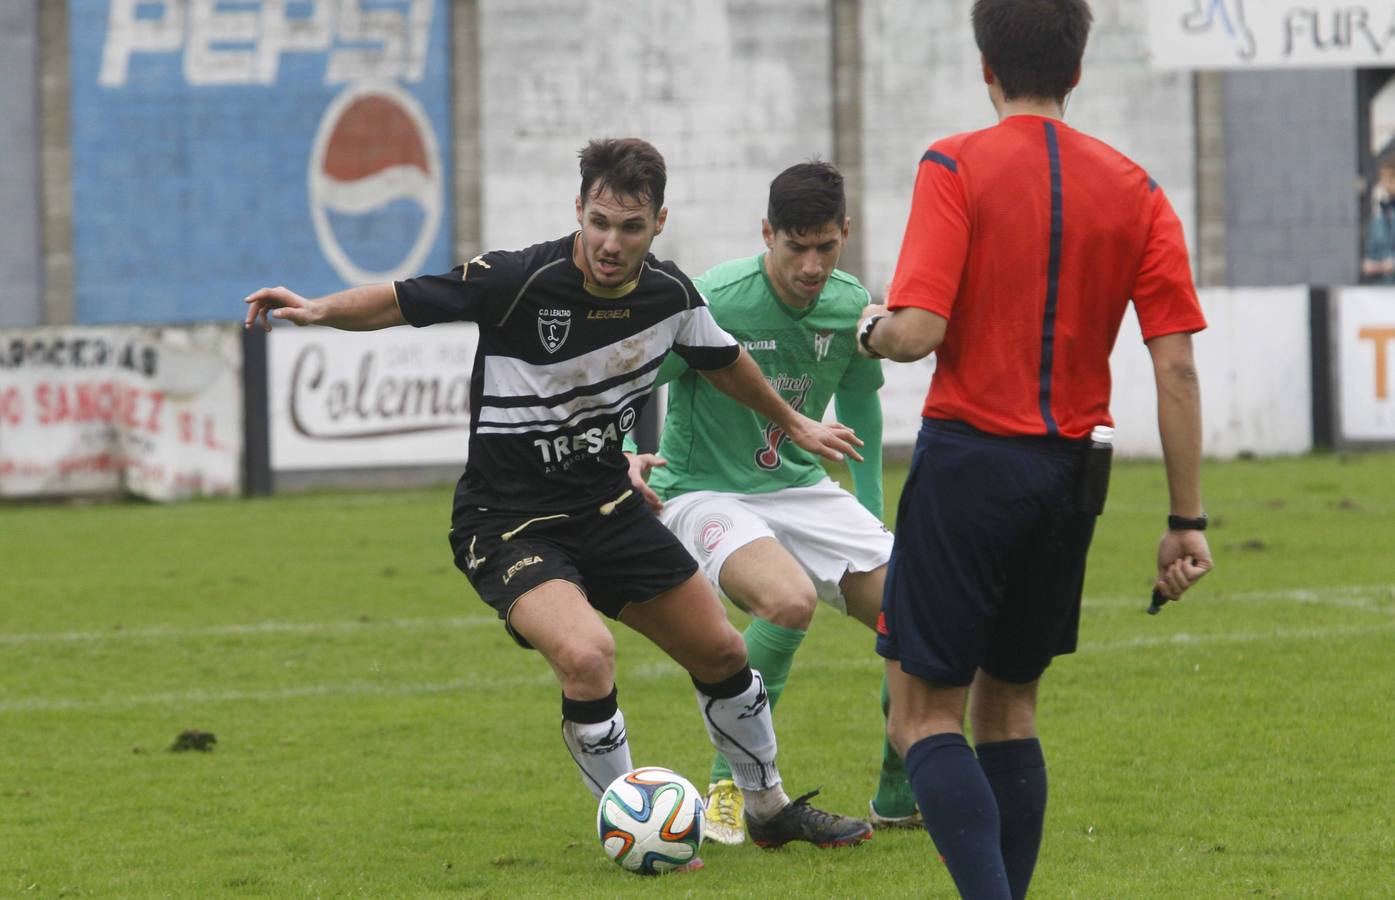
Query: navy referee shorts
x=989, y=559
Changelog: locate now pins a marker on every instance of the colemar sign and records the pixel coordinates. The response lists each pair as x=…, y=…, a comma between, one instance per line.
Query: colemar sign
x=399, y=397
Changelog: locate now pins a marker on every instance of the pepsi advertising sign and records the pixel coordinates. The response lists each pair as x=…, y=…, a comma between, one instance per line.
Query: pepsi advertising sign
x=221, y=146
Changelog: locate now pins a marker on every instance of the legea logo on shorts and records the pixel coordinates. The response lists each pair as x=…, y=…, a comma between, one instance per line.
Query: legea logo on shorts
x=375, y=183
x=712, y=532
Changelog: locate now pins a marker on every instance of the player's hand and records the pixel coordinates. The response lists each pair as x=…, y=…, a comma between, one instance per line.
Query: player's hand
x=1183, y=558
x=831, y=440
x=640, y=466
x=279, y=303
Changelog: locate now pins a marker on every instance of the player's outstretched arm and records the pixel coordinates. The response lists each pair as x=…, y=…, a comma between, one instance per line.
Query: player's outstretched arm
x=365, y=308
x=1183, y=556
x=743, y=382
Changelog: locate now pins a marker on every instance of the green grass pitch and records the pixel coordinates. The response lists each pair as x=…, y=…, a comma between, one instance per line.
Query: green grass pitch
x=378, y=735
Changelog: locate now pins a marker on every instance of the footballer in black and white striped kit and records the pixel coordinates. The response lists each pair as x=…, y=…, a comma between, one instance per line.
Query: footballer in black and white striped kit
x=563, y=367
x=551, y=522
x=562, y=371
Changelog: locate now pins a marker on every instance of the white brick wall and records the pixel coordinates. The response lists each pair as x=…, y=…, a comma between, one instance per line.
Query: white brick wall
x=923, y=81
x=730, y=93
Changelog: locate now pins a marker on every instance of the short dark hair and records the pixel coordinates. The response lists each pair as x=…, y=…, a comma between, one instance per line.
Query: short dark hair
x=1034, y=47
x=630, y=167
x=806, y=196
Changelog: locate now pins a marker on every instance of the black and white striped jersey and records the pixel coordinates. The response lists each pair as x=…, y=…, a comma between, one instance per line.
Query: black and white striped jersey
x=562, y=369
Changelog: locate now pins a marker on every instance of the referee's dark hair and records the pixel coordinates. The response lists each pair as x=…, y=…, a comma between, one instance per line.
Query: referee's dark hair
x=1034, y=47
x=806, y=196
x=630, y=167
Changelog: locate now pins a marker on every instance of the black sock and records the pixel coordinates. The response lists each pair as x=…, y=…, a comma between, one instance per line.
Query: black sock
x=960, y=813
x=727, y=688
x=590, y=712
x=1017, y=772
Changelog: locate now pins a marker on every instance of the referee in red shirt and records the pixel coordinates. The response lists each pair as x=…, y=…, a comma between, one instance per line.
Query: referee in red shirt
x=1025, y=243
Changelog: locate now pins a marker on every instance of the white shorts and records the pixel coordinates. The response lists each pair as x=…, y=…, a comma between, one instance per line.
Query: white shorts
x=822, y=526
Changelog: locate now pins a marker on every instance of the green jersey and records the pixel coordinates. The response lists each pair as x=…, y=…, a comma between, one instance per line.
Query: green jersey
x=712, y=442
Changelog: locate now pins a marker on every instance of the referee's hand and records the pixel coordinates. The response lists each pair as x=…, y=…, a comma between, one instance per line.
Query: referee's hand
x=640, y=465
x=1183, y=558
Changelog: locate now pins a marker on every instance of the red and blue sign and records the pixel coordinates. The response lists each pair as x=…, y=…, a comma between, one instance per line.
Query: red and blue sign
x=223, y=145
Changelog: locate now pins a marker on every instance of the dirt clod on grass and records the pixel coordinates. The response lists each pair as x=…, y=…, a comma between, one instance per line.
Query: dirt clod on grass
x=193, y=739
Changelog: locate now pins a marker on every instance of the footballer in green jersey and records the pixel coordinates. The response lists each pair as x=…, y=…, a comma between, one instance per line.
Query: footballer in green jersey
x=766, y=524
x=808, y=354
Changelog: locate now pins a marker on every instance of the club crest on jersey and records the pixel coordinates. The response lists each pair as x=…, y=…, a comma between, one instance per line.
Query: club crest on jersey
x=553, y=327
x=822, y=342
x=768, y=456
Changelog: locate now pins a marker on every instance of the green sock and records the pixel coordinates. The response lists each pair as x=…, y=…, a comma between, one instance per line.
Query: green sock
x=894, y=796
x=771, y=651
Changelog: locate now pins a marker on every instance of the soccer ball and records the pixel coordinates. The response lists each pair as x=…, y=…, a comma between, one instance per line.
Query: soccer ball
x=650, y=820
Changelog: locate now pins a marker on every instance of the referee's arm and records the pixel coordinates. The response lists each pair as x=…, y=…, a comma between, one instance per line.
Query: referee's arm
x=903, y=335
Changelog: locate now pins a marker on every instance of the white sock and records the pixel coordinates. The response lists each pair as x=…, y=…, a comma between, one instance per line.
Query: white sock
x=601, y=751
x=762, y=805
x=740, y=728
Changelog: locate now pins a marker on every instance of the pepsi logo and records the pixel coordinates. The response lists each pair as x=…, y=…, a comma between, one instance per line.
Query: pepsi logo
x=375, y=184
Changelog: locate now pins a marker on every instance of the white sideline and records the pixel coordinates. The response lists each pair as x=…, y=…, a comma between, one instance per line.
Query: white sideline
x=1347, y=596
x=647, y=672
x=1354, y=596
x=156, y=632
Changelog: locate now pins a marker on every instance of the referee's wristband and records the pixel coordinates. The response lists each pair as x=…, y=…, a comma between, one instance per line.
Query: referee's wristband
x=1183, y=523
x=864, y=335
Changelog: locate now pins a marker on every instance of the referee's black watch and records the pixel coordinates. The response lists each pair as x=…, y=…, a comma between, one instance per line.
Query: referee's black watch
x=864, y=335
x=1182, y=523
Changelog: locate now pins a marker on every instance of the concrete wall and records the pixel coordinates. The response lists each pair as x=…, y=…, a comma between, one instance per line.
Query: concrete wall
x=922, y=81
x=1255, y=369
x=1254, y=363
x=730, y=93
x=1291, y=188
x=1261, y=167
x=20, y=261
x=55, y=136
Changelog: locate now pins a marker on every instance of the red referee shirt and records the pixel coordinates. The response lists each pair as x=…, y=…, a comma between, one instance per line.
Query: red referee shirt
x=1030, y=238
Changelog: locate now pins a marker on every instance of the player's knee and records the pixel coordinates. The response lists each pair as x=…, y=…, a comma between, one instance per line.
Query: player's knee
x=723, y=657
x=792, y=607
x=900, y=731
x=587, y=667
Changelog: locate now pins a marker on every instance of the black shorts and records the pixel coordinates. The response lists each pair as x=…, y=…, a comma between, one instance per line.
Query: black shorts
x=625, y=557
x=989, y=559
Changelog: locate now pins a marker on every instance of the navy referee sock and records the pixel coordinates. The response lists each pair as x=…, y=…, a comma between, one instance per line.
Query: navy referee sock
x=960, y=813
x=1017, y=772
